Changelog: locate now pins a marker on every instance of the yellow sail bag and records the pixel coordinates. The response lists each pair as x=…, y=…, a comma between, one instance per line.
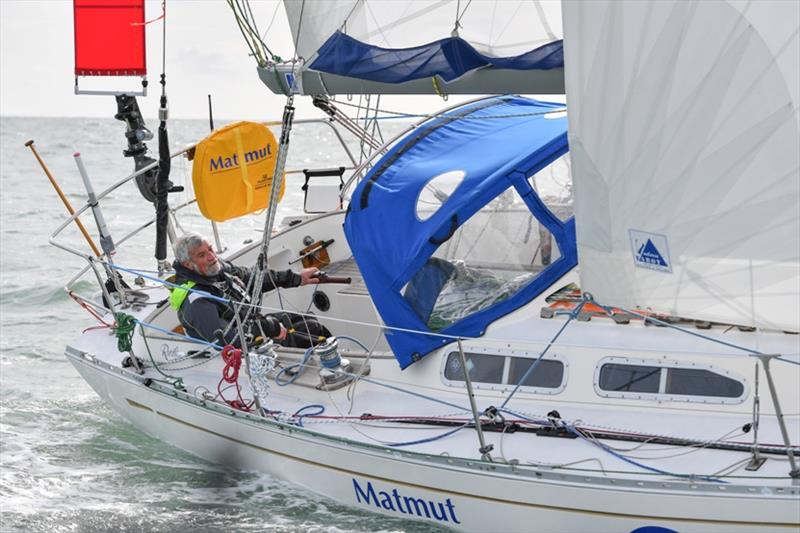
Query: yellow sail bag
x=232, y=170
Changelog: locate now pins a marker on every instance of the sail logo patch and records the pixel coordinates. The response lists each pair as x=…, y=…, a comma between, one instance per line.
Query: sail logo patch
x=650, y=250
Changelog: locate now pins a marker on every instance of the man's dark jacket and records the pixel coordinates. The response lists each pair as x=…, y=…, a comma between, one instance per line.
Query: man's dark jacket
x=206, y=318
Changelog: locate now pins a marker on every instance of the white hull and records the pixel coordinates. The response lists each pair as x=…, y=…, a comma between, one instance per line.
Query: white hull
x=468, y=494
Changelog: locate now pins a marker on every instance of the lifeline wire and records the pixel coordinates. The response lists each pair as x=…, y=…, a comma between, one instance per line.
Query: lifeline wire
x=385, y=327
x=401, y=114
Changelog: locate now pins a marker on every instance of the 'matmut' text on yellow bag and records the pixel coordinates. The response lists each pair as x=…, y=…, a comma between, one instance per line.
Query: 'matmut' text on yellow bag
x=232, y=170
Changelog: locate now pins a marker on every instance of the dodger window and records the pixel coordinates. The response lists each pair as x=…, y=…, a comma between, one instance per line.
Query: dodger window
x=500, y=249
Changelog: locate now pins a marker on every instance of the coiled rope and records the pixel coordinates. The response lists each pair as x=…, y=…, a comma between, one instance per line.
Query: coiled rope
x=123, y=329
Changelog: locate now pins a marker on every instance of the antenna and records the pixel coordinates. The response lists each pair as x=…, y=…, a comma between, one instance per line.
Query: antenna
x=210, y=114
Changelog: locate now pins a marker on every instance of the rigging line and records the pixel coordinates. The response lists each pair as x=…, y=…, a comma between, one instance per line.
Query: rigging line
x=543, y=19
x=402, y=19
x=255, y=33
x=176, y=381
x=459, y=17
x=252, y=20
x=575, y=431
x=299, y=26
x=407, y=330
x=272, y=20
x=240, y=24
x=695, y=334
x=604, y=447
x=343, y=26
x=558, y=109
x=573, y=314
x=178, y=335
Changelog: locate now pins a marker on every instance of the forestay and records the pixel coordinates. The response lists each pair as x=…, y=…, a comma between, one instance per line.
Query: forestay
x=686, y=156
x=447, y=230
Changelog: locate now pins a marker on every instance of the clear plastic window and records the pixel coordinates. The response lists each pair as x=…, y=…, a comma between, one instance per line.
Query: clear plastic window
x=698, y=382
x=490, y=257
x=548, y=373
x=483, y=368
x=553, y=184
x=630, y=378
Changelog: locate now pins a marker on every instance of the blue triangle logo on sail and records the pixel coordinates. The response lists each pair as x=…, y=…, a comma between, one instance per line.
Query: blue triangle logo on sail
x=650, y=250
x=648, y=253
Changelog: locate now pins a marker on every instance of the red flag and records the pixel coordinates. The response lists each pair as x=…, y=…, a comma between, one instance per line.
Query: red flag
x=109, y=38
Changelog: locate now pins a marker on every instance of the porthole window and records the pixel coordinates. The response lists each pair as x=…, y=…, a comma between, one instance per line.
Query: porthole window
x=503, y=372
x=621, y=377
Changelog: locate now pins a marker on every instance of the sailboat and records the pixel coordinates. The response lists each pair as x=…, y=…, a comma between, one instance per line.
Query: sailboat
x=500, y=363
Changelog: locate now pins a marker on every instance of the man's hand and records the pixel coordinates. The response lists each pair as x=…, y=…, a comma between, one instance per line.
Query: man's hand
x=308, y=276
x=282, y=335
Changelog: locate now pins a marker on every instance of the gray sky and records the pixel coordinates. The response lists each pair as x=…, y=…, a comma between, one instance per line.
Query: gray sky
x=205, y=54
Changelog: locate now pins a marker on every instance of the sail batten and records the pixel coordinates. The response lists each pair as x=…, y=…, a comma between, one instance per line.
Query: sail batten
x=686, y=156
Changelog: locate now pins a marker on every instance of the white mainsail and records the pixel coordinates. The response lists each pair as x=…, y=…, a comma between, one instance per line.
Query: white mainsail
x=684, y=138
x=494, y=28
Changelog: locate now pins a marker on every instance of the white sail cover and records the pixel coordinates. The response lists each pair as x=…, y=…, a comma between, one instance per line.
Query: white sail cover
x=496, y=28
x=683, y=131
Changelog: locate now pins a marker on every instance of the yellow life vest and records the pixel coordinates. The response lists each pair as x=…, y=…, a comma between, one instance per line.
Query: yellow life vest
x=179, y=294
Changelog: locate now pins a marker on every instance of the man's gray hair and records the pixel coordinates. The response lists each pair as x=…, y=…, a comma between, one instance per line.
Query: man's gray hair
x=185, y=243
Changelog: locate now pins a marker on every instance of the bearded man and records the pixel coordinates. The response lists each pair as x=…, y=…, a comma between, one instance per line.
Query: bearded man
x=197, y=268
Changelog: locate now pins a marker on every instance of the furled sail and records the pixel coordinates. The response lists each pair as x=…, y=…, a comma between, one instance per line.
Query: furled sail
x=684, y=138
x=385, y=46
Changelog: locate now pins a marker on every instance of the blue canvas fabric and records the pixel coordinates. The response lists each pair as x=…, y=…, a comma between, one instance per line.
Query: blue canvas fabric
x=498, y=142
x=448, y=58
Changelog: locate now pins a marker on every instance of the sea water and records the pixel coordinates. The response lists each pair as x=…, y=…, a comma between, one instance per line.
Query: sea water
x=68, y=462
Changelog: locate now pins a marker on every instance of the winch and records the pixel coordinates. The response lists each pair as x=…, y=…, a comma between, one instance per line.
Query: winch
x=334, y=370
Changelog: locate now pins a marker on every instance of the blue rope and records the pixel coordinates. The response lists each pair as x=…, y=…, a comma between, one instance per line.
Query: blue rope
x=320, y=409
x=169, y=284
x=352, y=339
x=693, y=333
x=429, y=439
x=604, y=447
x=299, y=367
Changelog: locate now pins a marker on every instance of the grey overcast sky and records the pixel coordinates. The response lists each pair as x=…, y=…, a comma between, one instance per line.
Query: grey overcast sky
x=205, y=54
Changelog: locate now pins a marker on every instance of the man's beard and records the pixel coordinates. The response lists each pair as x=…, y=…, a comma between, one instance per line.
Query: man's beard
x=211, y=270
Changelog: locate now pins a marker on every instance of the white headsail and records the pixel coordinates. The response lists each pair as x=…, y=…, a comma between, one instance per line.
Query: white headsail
x=683, y=120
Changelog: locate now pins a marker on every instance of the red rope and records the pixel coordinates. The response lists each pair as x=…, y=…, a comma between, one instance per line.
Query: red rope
x=91, y=312
x=232, y=357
